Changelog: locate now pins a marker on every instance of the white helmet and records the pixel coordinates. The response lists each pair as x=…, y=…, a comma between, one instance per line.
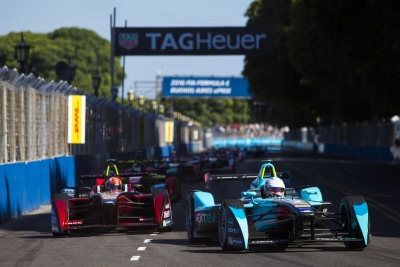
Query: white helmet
x=274, y=186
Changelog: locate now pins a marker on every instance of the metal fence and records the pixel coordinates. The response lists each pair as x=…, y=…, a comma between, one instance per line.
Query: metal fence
x=34, y=122
x=373, y=134
x=32, y=117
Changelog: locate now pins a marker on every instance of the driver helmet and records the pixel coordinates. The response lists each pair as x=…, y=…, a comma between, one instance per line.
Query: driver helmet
x=113, y=184
x=274, y=186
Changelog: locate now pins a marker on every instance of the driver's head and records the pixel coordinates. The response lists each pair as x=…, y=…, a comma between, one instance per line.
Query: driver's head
x=113, y=184
x=274, y=187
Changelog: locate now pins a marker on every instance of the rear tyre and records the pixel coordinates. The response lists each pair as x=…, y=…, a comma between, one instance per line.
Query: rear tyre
x=177, y=188
x=65, y=198
x=223, y=222
x=166, y=205
x=349, y=221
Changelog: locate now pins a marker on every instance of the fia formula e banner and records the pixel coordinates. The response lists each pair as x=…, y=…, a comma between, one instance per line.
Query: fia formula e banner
x=193, y=41
x=76, y=119
x=208, y=87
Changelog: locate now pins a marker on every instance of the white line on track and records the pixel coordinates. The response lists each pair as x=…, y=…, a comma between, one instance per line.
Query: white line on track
x=153, y=234
x=141, y=248
x=147, y=241
x=135, y=258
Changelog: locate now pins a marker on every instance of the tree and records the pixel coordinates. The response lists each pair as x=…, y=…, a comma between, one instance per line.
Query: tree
x=335, y=59
x=214, y=111
x=272, y=78
x=88, y=51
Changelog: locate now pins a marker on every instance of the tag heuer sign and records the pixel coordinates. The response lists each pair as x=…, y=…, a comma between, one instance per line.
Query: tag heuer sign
x=128, y=40
x=193, y=41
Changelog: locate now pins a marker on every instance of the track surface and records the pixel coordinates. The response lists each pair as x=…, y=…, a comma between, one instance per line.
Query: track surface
x=27, y=241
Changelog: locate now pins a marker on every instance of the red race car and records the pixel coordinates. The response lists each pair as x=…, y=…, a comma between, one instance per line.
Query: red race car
x=114, y=200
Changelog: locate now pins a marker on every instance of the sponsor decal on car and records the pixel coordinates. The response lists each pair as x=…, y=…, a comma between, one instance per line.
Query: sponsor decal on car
x=233, y=230
x=235, y=241
x=167, y=214
x=205, y=218
x=75, y=222
x=167, y=222
x=145, y=219
x=230, y=222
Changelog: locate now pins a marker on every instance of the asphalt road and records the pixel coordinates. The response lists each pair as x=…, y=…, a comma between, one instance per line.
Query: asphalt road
x=27, y=241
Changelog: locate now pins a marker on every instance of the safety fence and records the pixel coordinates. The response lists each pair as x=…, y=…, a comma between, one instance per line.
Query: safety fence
x=374, y=134
x=34, y=124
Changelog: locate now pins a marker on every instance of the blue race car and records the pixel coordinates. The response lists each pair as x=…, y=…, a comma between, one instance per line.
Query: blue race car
x=300, y=216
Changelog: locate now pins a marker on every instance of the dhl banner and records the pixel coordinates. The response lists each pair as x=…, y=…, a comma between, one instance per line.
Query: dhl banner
x=169, y=131
x=76, y=119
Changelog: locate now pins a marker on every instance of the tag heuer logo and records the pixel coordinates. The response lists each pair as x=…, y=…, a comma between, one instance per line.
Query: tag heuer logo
x=128, y=40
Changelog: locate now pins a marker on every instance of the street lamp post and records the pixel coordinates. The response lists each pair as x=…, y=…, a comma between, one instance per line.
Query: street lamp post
x=131, y=97
x=141, y=102
x=114, y=93
x=96, y=79
x=154, y=106
x=22, y=52
x=72, y=71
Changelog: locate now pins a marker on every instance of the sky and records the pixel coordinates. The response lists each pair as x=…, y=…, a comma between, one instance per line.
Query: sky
x=45, y=16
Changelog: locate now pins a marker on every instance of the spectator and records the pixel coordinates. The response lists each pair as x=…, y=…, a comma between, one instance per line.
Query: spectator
x=396, y=149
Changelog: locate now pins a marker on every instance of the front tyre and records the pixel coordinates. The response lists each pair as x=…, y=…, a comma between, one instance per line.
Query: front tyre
x=165, y=224
x=350, y=224
x=190, y=217
x=223, y=223
x=55, y=215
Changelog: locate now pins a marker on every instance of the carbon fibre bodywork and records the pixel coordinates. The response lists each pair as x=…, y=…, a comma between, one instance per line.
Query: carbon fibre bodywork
x=144, y=200
x=108, y=210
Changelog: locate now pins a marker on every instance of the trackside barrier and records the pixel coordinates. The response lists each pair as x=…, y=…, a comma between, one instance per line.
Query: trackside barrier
x=25, y=186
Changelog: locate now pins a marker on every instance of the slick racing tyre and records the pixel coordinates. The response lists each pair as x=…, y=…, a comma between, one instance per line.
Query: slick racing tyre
x=349, y=221
x=190, y=217
x=165, y=193
x=223, y=222
x=55, y=215
x=177, y=190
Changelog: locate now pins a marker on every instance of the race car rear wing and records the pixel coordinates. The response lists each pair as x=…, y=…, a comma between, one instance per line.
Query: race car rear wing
x=232, y=176
x=282, y=175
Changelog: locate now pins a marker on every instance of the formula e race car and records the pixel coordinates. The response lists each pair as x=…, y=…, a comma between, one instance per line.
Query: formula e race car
x=114, y=200
x=300, y=216
x=219, y=161
x=148, y=172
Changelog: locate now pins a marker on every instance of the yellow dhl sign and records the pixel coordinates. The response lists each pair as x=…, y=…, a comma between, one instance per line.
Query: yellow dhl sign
x=76, y=119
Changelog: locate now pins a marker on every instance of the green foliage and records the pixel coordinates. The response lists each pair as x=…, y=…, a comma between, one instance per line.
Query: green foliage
x=334, y=59
x=214, y=111
x=87, y=50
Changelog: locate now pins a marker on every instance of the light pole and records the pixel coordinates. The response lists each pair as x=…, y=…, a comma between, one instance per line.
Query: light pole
x=131, y=97
x=141, y=101
x=72, y=71
x=154, y=106
x=96, y=79
x=114, y=93
x=22, y=52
